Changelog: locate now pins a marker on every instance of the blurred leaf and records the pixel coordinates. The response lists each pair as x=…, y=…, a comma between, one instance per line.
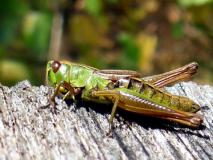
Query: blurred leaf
x=11, y=12
x=12, y=7
x=85, y=31
x=188, y=3
x=112, y=1
x=12, y=71
x=94, y=7
x=177, y=30
x=95, y=59
x=36, y=32
x=8, y=30
x=130, y=50
x=90, y=29
x=2, y=51
x=147, y=44
x=43, y=5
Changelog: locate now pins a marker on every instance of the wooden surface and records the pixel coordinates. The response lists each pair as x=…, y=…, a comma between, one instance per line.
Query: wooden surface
x=79, y=131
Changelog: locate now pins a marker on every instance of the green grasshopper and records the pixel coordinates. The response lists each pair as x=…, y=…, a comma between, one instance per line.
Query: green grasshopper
x=126, y=90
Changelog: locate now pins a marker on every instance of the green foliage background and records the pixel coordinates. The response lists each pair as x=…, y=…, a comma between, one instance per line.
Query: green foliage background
x=150, y=36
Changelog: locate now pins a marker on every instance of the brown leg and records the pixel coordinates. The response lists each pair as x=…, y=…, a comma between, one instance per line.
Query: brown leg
x=116, y=97
x=174, y=76
x=71, y=91
x=143, y=107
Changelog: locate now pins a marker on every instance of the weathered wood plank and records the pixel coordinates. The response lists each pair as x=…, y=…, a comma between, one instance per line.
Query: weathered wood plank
x=79, y=131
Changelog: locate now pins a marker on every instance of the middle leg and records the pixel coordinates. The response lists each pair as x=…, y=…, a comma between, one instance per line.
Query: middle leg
x=111, y=94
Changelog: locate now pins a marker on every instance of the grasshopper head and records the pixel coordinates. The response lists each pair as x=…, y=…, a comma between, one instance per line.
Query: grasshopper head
x=56, y=72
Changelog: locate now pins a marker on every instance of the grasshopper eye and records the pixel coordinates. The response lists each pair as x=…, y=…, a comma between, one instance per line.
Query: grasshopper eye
x=55, y=66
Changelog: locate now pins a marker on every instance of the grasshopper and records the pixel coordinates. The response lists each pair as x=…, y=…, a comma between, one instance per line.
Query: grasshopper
x=126, y=90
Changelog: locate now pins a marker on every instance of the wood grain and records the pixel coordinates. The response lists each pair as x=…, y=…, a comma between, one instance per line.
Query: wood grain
x=79, y=130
